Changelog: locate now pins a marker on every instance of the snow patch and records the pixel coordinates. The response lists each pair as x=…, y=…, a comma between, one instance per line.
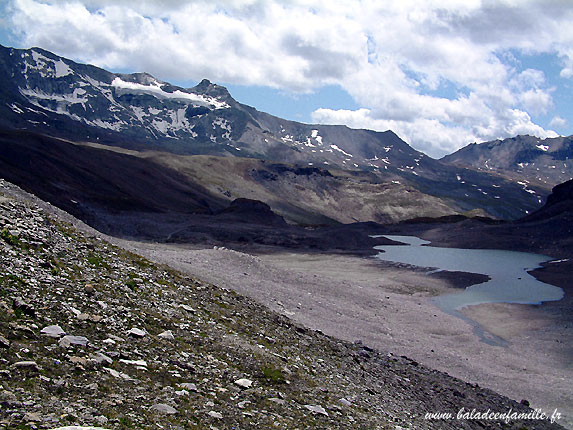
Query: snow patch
x=15, y=108
x=156, y=91
x=72, y=98
x=308, y=143
x=223, y=124
x=139, y=112
x=62, y=69
x=542, y=147
x=105, y=124
x=340, y=150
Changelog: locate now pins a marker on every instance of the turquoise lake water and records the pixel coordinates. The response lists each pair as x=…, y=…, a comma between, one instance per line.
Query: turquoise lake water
x=509, y=283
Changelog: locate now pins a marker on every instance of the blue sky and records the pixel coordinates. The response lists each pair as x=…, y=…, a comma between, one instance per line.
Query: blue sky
x=441, y=74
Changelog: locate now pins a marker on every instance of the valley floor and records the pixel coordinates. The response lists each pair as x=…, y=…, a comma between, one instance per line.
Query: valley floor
x=387, y=306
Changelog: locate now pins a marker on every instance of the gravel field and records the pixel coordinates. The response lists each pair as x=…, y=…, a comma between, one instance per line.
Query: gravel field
x=387, y=307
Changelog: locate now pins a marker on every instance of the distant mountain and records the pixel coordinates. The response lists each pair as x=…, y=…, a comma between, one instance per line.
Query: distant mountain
x=528, y=159
x=47, y=98
x=49, y=94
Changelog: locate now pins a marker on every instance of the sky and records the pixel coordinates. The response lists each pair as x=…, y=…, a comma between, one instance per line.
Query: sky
x=439, y=73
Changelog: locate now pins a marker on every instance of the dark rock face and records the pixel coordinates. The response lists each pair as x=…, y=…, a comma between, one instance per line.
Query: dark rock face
x=561, y=193
x=250, y=211
x=558, y=210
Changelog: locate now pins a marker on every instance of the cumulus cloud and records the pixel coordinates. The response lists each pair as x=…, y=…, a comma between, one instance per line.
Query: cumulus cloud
x=438, y=138
x=558, y=122
x=396, y=59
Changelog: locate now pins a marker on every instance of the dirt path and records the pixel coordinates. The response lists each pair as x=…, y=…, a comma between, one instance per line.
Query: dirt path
x=388, y=307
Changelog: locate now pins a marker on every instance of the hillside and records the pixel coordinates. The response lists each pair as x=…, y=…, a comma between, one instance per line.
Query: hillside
x=94, y=335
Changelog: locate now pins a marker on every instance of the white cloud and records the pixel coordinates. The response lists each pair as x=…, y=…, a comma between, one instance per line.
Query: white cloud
x=434, y=137
x=396, y=59
x=558, y=122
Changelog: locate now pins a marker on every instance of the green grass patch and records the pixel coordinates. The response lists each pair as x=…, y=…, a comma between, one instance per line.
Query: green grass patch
x=10, y=282
x=126, y=423
x=273, y=375
x=97, y=260
x=10, y=239
x=131, y=284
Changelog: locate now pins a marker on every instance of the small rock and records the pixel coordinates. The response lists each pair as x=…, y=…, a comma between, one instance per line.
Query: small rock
x=29, y=365
x=53, y=331
x=136, y=332
x=8, y=398
x=4, y=343
x=164, y=408
x=277, y=401
x=244, y=383
x=215, y=414
x=182, y=393
x=316, y=409
x=89, y=289
x=345, y=402
x=79, y=428
x=188, y=386
x=101, y=358
x=138, y=363
x=26, y=308
x=187, y=308
x=32, y=417
x=69, y=340
x=101, y=419
x=167, y=335
x=102, y=304
x=117, y=374
x=79, y=360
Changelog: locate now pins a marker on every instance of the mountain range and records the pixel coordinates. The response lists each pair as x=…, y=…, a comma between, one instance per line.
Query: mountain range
x=100, y=145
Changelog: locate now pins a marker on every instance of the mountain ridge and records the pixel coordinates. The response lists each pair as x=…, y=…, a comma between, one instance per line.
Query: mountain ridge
x=53, y=96
x=528, y=159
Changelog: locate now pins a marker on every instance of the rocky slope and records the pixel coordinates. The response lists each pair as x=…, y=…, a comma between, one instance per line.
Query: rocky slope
x=91, y=334
x=559, y=206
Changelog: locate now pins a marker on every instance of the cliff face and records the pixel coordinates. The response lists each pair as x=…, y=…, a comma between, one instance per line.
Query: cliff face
x=557, y=210
x=91, y=334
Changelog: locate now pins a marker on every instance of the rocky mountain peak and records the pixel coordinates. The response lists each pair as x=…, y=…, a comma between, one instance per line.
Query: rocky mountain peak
x=529, y=159
x=218, y=91
x=140, y=78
